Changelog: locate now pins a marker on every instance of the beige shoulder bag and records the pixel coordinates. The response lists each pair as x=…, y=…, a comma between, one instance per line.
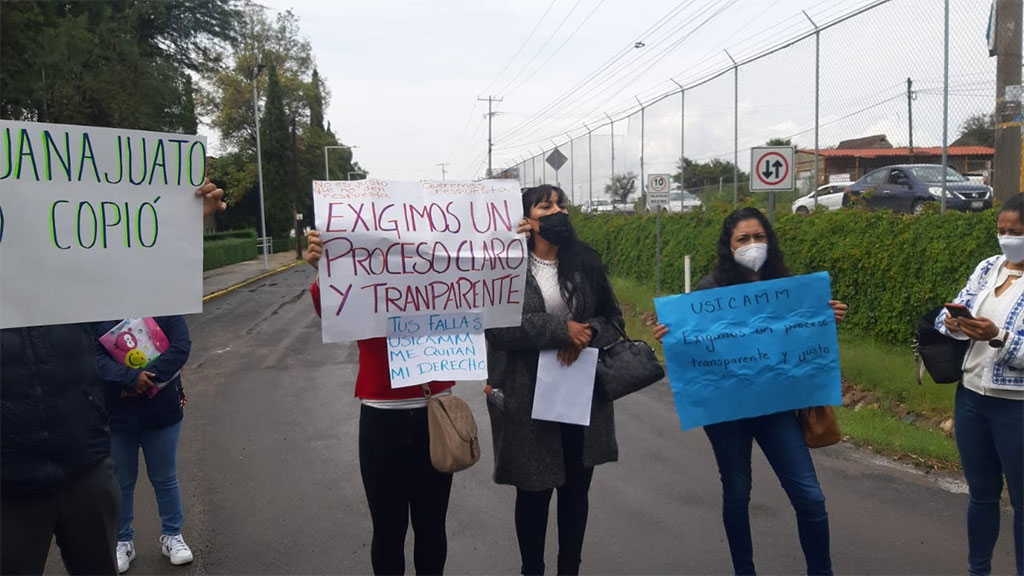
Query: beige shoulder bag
x=453, y=438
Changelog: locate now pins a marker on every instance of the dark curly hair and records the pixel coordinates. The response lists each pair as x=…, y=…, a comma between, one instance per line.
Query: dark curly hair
x=575, y=258
x=728, y=271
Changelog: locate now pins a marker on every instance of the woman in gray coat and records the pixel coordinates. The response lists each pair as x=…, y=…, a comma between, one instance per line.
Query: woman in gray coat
x=568, y=305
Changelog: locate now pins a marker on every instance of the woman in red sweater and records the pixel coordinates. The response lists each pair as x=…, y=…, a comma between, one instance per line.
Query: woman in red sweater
x=394, y=458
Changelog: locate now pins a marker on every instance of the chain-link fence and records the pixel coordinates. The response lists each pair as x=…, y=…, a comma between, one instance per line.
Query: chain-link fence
x=856, y=86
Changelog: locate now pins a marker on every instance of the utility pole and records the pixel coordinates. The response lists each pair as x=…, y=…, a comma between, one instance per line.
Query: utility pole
x=443, y=171
x=295, y=195
x=572, y=169
x=613, y=143
x=682, y=135
x=910, y=117
x=643, y=182
x=490, y=117
x=259, y=167
x=735, y=131
x=1007, y=178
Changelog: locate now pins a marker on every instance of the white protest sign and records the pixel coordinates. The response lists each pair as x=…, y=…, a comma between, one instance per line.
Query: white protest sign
x=432, y=347
x=410, y=248
x=98, y=224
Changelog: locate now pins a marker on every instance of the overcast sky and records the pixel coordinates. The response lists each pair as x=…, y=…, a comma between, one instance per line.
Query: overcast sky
x=405, y=77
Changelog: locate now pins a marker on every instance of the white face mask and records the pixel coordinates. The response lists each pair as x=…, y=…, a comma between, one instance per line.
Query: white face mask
x=751, y=256
x=1013, y=248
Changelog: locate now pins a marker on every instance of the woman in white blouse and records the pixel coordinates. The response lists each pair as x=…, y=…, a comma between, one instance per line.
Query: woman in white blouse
x=989, y=409
x=568, y=305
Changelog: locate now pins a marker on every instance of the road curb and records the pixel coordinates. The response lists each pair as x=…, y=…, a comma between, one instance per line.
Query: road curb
x=231, y=289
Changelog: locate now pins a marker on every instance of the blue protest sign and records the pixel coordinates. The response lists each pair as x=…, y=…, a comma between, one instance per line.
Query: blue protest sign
x=751, y=349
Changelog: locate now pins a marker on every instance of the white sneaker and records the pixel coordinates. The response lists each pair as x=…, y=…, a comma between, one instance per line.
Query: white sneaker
x=125, y=555
x=174, y=547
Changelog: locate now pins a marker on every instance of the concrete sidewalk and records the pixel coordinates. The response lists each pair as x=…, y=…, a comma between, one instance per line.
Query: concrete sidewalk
x=234, y=275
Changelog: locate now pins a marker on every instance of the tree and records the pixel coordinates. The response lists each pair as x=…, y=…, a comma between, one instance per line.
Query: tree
x=107, y=63
x=189, y=121
x=621, y=186
x=229, y=99
x=779, y=142
x=276, y=148
x=705, y=174
x=316, y=103
x=978, y=130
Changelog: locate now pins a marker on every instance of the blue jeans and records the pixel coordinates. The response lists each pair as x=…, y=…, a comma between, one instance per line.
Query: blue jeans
x=782, y=441
x=990, y=438
x=160, y=448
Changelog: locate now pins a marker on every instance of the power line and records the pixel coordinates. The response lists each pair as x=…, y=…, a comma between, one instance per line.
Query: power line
x=611, y=61
x=504, y=90
x=764, y=53
x=612, y=71
x=521, y=46
x=557, y=50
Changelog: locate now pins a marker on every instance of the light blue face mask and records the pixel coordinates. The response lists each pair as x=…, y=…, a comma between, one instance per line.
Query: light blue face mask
x=1013, y=248
x=751, y=256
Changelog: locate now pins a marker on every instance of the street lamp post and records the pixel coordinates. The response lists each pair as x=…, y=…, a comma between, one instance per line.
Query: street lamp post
x=327, y=171
x=259, y=167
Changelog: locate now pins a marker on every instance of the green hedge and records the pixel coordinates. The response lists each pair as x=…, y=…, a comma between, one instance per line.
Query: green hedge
x=246, y=233
x=286, y=245
x=228, y=251
x=890, y=268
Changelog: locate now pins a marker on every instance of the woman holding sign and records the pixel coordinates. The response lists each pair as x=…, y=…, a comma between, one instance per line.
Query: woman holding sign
x=568, y=305
x=394, y=458
x=748, y=251
x=989, y=407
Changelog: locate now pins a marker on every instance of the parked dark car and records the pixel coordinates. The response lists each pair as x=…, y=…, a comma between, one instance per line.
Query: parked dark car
x=909, y=187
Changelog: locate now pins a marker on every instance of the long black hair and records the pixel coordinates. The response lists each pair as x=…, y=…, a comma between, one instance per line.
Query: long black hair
x=576, y=260
x=728, y=271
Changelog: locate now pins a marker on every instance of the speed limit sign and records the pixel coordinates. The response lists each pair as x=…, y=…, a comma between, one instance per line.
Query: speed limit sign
x=657, y=189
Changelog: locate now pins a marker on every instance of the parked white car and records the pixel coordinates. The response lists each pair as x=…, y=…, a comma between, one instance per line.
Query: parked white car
x=680, y=201
x=597, y=207
x=683, y=201
x=830, y=196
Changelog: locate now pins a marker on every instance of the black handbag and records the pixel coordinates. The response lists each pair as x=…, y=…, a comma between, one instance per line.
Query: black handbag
x=626, y=366
x=943, y=356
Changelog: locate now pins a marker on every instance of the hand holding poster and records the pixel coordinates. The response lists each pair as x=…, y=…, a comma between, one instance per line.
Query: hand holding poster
x=412, y=248
x=85, y=211
x=751, y=349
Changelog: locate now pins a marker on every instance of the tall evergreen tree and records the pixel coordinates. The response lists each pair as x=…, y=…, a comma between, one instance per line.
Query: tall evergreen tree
x=189, y=121
x=276, y=147
x=316, y=103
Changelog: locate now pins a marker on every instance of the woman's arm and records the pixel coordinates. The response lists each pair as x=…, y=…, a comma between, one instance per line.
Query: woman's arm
x=172, y=360
x=945, y=323
x=1012, y=352
x=608, y=316
x=112, y=371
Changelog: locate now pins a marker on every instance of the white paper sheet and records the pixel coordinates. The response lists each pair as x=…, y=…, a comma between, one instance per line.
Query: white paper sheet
x=564, y=393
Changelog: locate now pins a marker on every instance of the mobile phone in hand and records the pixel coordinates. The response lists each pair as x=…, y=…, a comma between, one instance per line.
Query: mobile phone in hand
x=959, y=311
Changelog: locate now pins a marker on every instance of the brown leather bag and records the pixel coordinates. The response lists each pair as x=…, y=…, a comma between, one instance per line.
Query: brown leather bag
x=453, y=436
x=820, y=426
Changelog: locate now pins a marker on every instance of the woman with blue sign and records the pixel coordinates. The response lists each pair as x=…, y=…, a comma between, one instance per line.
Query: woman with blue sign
x=748, y=251
x=568, y=305
x=989, y=407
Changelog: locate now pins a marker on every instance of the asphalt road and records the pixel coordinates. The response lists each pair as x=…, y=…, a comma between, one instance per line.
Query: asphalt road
x=269, y=470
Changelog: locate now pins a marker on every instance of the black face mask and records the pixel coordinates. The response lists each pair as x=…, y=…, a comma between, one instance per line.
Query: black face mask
x=555, y=228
